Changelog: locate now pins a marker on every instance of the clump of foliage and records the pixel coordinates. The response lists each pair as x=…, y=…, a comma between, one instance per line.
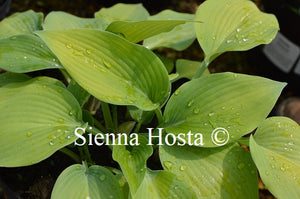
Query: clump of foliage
x=110, y=58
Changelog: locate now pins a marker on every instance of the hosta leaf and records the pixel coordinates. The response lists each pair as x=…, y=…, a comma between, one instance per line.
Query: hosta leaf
x=63, y=21
x=233, y=25
x=111, y=68
x=123, y=12
x=38, y=117
x=141, y=116
x=234, y=102
x=21, y=23
x=132, y=160
x=78, y=92
x=223, y=172
x=275, y=149
x=163, y=184
x=143, y=182
x=78, y=182
x=25, y=53
x=179, y=38
x=187, y=68
x=138, y=31
x=6, y=78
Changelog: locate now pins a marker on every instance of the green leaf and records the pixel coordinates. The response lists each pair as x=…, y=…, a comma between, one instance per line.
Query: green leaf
x=132, y=160
x=38, y=117
x=145, y=117
x=64, y=21
x=275, y=149
x=78, y=182
x=143, y=182
x=25, y=53
x=138, y=31
x=187, y=68
x=233, y=25
x=6, y=78
x=123, y=12
x=111, y=68
x=167, y=62
x=163, y=184
x=181, y=37
x=223, y=172
x=78, y=92
x=234, y=102
x=21, y=23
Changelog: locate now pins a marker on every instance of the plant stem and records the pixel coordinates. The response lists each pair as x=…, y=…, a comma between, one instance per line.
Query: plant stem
x=87, y=154
x=71, y=154
x=137, y=127
x=107, y=115
x=99, y=125
x=115, y=116
x=201, y=69
x=159, y=115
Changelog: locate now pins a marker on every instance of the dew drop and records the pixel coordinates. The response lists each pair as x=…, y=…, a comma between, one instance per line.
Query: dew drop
x=229, y=41
x=29, y=134
x=51, y=143
x=90, y=128
x=60, y=120
x=183, y=167
x=238, y=30
x=25, y=57
x=214, y=37
x=196, y=110
x=78, y=168
x=190, y=103
x=68, y=137
x=106, y=64
x=267, y=173
x=291, y=143
x=176, y=187
x=177, y=92
x=241, y=166
x=102, y=177
x=88, y=51
x=72, y=112
x=223, y=108
x=69, y=45
x=168, y=164
x=211, y=114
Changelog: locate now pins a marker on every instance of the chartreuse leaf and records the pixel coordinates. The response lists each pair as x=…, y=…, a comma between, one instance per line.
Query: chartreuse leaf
x=58, y=20
x=25, y=53
x=78, y=182
x=163, y=184
x=6, y=78
x=38, y=117
x=143, y=182
x=187, y=69
x=138, y=31
x=234, y=102
x=275, y=149
x=21, y=23
x=111, y=68
x=123, y=12
x=233, y=25
x=179, y=38
x=223, y=172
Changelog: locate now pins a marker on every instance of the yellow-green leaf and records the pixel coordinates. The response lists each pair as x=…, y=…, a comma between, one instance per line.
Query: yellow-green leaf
x=38, y=117
x=21, y=23
x=275, y=149
x=232, y=25
x=111, y=68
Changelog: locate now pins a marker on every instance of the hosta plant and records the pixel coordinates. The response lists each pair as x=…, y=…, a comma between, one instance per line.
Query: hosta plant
x=197, y=130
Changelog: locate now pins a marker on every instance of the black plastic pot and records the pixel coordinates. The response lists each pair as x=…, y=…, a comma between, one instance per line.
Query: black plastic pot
x=4, y=8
